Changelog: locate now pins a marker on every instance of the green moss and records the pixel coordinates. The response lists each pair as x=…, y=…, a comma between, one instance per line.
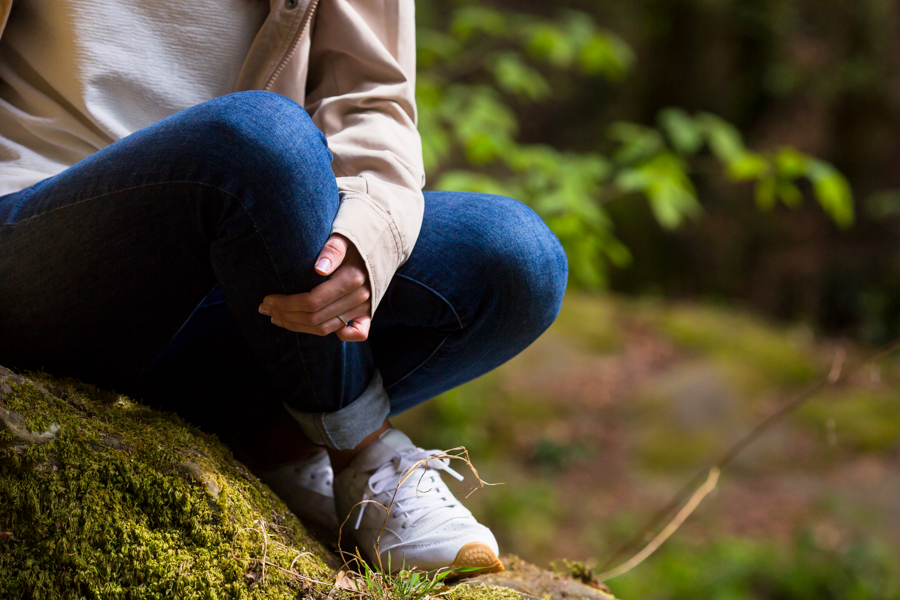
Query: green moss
x=664, y=448
x=867, y=420
x=777, y=355
x=589, y=322
x=107, y=509
x=467, y=591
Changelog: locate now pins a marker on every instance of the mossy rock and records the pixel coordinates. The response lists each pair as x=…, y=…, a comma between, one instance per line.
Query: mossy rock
x=101, y=497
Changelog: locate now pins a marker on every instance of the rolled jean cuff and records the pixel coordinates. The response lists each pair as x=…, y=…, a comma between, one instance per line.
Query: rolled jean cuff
x=346, y=428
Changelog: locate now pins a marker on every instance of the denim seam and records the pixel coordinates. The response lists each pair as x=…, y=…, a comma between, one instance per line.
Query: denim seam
x=436, y=293
x=122, y=191
x=17, y=207
x=443, y=341
x=421, y=364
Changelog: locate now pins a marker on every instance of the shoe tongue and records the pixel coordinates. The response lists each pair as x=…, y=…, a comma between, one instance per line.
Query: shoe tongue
x=397, y=441
x=391, y=443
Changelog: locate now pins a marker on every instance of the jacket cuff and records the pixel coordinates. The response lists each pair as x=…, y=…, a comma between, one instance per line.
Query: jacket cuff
x=376, y=233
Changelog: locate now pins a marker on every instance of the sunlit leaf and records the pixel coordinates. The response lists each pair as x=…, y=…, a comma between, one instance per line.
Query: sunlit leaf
x=636, y=141
x=723, y=138
x=749, y=167
x=433, y=46
x=514, y=76
x=790, y=163
x=832, y=191
x=633, y=180
x=686, y=136
x=548, y=42
x=606, y=54
x=477, y=18
x=469, y=181
x=617, y=253
x=790, y=194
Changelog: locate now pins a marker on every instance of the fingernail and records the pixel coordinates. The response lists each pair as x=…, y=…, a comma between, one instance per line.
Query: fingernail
x=323, y=264
x=276, y=322
x=263, y=310
x=269, y=303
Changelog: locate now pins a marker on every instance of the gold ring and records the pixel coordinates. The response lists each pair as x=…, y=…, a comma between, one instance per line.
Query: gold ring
x=344, y=321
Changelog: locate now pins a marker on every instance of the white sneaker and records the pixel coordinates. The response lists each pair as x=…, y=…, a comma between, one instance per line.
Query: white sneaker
x=306, y=487
x=427, y=528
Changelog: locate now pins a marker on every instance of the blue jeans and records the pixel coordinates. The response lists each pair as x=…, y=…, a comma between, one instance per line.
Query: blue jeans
x=142, y=266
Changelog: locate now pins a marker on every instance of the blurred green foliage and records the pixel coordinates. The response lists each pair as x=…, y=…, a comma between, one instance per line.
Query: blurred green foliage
x=479, y=65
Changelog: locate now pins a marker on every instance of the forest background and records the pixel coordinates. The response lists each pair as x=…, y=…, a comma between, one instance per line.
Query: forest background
x=725, y=177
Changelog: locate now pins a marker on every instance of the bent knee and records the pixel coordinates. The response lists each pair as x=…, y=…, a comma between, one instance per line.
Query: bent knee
x=260, y=132
x=528, y=262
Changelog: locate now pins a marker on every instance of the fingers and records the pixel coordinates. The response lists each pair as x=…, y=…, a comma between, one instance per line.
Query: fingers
x=331, y=325
x=345, y=280
x=357, y=331
x=332, y=254
x=308, y=321
x=345, y=293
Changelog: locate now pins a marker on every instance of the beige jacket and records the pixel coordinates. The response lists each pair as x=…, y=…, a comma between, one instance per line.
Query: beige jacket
x=351, y=64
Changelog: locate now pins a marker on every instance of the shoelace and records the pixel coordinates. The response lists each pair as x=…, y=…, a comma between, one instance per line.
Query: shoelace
x=388, y=476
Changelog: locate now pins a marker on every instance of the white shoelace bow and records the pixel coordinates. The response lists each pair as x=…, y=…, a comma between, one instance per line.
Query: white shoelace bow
x=388, y=476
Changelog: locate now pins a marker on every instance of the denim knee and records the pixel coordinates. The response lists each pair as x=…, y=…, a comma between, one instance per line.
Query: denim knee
x=264, y=150
x=526, y=265
x=266, y=136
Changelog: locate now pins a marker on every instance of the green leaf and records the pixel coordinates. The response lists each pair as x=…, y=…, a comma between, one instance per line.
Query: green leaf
x=749, y=167
x=433, y=46
x=606, y=54
x=514, y=76
x=791, y=164
x=548, y=42
x=468, y=20
x=633, y=180
x=790, y=194
x=617, y=253
x=663, y=179
x=832, y=191
x=468, y=181
x=723, y=138
x=686, y=136
x=636, y=141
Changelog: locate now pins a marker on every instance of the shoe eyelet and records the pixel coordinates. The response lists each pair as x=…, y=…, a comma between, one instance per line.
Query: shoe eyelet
x=292, y=3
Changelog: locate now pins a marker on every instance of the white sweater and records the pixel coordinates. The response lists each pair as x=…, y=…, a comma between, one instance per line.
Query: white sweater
x=78, y=75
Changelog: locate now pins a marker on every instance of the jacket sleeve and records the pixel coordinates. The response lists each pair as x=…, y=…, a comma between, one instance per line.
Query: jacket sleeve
x=361, y=94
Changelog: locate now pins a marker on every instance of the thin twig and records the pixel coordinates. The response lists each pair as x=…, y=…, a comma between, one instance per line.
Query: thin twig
x=262, y=528
x=671, y=528
x=263, y=562
x=838, y=374
x=290, y=572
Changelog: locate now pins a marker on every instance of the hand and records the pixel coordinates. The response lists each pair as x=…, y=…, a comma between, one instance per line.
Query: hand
x=347, y=293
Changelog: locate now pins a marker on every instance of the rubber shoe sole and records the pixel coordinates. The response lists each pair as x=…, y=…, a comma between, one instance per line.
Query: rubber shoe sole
x=476, y=554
